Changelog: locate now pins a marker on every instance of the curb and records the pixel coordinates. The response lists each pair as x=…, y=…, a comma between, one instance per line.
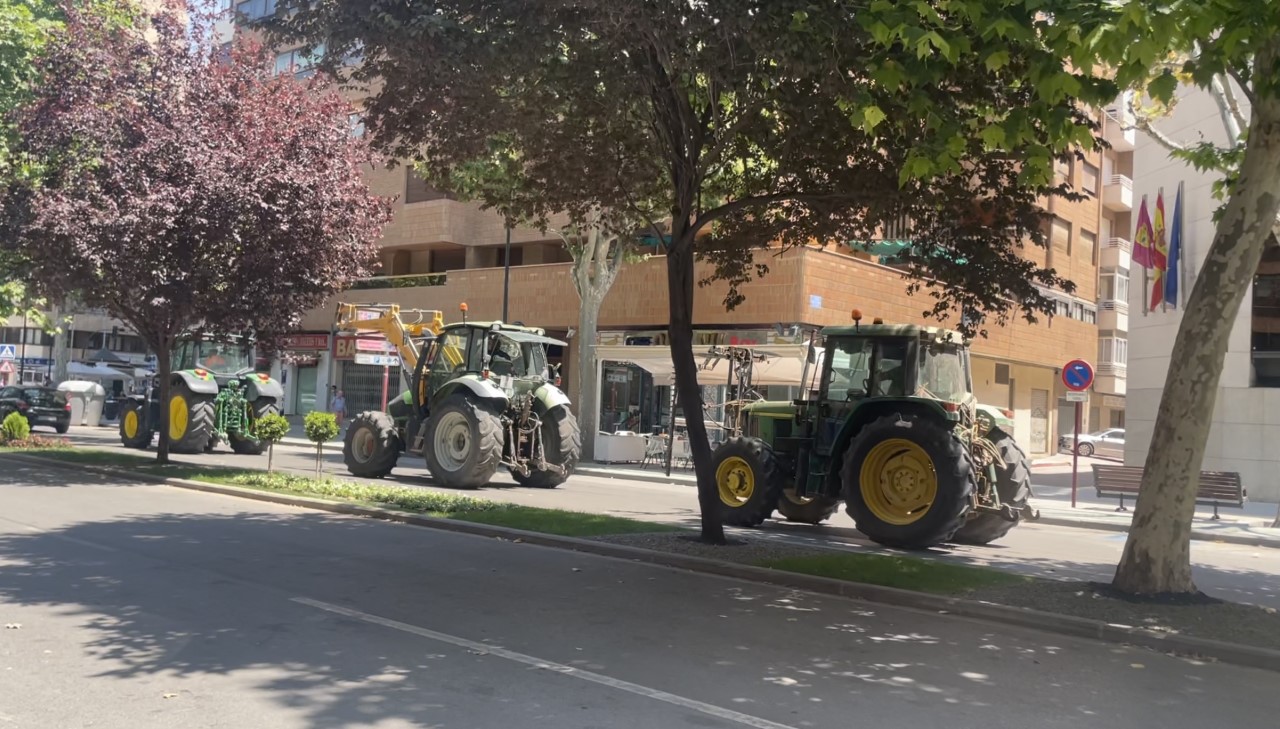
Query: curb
x=1243, y=655
x=1247, y=541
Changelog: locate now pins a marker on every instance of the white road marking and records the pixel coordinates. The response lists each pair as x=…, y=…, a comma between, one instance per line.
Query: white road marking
x=578, y=673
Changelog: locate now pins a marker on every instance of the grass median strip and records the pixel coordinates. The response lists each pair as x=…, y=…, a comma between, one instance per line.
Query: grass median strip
x=907, y=573
x=404, y=498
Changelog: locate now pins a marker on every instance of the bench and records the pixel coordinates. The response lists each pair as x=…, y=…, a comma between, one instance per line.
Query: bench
x=1218, y=488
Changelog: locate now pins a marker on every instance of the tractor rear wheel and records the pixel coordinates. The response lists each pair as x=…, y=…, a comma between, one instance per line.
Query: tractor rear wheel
x=135, y=431
x=748, y=479
x=1013, y=483
x=907, y=481
x=806, y=509
x=372, y=445
x=463, y=446
x=561, y=446
x=190, y=419
x=251, y=446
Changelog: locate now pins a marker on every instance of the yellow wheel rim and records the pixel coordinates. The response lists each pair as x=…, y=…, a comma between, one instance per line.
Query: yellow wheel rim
x=735, y=481
x=130, y=424
x=179, y=414
x=898, y=482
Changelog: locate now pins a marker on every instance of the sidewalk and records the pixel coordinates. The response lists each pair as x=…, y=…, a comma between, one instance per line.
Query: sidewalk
x=1250, y=525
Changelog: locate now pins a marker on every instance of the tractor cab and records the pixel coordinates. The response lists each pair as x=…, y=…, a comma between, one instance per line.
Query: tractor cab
x=512, y=356
x=224, y=359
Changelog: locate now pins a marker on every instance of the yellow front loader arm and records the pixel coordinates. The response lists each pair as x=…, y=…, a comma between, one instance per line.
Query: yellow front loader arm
x=399, y=326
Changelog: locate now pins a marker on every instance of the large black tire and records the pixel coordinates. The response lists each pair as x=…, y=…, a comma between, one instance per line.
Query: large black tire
x=1013, y=483
x=894, y=506
x=748, y=479
x=463, y=446
x=811, y=510
x=262, y=407
x=561, y=445
x=372, y=445
x=193, y=433
x=135, y=431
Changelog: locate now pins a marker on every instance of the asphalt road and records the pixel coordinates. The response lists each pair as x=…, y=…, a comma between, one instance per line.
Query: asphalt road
x=139, y=606
x=1232, y=572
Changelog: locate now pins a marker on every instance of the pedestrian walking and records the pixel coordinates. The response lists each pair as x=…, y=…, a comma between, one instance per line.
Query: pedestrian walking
x=339, y=407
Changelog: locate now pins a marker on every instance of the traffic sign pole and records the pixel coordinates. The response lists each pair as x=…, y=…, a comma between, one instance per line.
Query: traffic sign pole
x=1077, y=376
x=1075, y=457
x=386, y=379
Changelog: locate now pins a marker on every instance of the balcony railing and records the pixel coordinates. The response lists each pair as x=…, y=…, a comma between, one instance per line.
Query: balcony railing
x=1116, y=305
x=1122, y=181
x=400, y=282
x=1120, y=243
x=1112, y=369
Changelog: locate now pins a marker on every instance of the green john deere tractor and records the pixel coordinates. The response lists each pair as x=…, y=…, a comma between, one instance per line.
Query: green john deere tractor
x=481, y=395
x=214, y=395
x=892, y=430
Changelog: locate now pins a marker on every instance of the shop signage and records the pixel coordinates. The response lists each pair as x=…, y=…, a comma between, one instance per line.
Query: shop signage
x=306, y=342
x=367, y=344
x=380, y=360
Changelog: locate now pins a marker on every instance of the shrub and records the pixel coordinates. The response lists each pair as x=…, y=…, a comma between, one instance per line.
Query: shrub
x=320, y=427
x=15, y=427
x=271, y=429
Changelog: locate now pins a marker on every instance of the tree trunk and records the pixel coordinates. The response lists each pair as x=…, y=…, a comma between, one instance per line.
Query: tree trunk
x=680, y=281
x=271, y=454
x=588, y=404
x=62, y=340
x=163, y=363
x=1157, y=555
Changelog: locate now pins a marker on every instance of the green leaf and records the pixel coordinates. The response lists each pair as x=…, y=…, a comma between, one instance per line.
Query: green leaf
x=1163, y=87
x=993, y=136
x=997, y=60
x=871, y=118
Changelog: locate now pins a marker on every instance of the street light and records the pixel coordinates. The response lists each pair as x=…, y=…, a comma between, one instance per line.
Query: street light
x=506, y=271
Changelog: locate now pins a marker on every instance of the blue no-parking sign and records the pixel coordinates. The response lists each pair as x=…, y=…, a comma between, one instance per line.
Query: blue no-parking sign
x=1077, y=375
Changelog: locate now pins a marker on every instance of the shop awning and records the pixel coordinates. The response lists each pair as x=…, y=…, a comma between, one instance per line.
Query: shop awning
x=783, y=364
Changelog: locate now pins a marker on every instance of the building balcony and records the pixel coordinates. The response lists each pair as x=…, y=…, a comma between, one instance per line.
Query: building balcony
x=1113, y=315
x=1117, y=194
x=1118, y=129
x=1116, y=254
x=1111, y=378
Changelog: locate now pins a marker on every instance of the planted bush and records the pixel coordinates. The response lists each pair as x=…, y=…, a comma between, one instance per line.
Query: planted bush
x=15, y=428
x=271, y=429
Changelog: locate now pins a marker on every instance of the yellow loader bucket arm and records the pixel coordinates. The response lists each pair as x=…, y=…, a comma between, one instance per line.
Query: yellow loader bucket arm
x=400, y=327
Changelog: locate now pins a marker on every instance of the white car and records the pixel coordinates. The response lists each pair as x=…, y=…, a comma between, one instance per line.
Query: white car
x=1106, y=443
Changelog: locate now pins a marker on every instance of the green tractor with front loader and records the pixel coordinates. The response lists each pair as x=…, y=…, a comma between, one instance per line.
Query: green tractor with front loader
x=215, y=395
x=891, y=429
x=481, y=396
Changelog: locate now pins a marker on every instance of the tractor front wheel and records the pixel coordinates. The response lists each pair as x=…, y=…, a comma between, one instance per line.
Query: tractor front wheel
x=135, y=431
x=372, y=445
x=190, y=420
x=1013, y=483
x=907, y=481
x=463, y=446
x=561, y=446
x=806, y=509
x=251, y=446
x=748, y=479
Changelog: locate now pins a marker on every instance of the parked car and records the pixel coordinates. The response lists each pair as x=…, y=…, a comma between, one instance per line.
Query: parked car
x=41, y=406
x=1106, y=443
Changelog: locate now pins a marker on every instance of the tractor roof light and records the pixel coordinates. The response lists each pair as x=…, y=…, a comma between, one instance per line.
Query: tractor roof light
x=201, y=373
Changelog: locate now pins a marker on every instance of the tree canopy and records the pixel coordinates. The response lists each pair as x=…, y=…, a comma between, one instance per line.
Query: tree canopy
x=181, y=187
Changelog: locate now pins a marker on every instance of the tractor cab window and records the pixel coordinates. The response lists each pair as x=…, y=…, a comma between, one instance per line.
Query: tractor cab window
x=216, y=357
x=450, y=354
x=942, y=372
x=506, y=357
x=850, y=369
x=891, y=370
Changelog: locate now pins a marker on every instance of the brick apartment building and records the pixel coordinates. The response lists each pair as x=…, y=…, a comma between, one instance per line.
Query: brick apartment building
x=439, y=252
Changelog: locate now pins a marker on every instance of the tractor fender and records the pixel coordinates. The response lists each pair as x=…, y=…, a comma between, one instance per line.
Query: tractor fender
x=549, y=397
x=255, y=387
x=993, y=419
x=480, y=388
x=200, y=385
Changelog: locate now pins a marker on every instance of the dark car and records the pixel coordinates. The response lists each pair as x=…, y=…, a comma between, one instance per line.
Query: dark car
x=41, y=405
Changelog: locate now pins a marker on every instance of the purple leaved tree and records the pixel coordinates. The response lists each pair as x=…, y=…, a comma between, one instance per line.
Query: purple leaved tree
x=181, y=186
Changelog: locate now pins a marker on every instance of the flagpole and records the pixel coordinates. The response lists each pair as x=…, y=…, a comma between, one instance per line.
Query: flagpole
x=1144, y=267
x=1183, y=258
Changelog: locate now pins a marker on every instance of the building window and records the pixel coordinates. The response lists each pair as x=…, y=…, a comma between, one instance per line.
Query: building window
x=1060, y=236
x=417, y=190
x=1002, y=374
x=1113, y=351
x=1062, y=170
x=356, y=123
x=251, y=10
x=1088, y=245
x=1089, y=178
x=1266, y=320
x=300, y=62
x=1114, y=286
